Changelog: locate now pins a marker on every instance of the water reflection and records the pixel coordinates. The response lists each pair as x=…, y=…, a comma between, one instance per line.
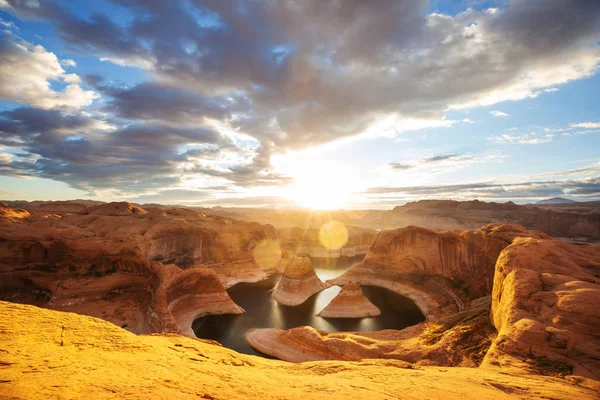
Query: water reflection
x=262, y=311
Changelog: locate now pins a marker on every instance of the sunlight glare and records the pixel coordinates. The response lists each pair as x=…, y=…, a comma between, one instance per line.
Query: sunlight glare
x=321, y=185
x=333, y=235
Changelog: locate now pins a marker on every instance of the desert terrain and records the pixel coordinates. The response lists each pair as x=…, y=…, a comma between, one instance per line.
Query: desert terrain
x=509, y=311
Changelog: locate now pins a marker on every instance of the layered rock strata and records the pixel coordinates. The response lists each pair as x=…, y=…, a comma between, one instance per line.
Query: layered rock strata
x=113, y=261
x=545, y=308
x=543, y=311
x=439, y=271
x=458, y=340
x=298, y=283
x=350, y=303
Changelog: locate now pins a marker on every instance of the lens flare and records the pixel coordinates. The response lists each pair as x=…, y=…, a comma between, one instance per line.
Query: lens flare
x=267, y=253
x=333, y=235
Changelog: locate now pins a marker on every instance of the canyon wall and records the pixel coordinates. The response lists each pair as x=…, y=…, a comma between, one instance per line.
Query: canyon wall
x=545, y=307
x=124, y=264
x=439, y=271
x=542, y=317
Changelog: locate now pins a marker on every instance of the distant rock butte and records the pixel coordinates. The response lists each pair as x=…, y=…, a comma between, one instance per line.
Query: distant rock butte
x=305, y=241
x=556, y=200
x=114, y=209
x=298, y=283
x=443, y=215
x=350, y=303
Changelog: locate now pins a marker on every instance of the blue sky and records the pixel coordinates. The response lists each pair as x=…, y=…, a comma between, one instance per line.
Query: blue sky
x=359, y=105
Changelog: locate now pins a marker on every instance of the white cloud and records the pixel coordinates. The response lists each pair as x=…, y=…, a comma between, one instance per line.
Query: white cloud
x=68, y=63
x=526, y=138
x=497, y=113
x=468, y=121
x=586, y=125
x=25, y=75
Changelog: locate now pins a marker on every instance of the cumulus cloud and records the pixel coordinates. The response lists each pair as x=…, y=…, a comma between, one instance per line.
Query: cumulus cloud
x=149, y=101
x=69, y=63
x=497, y=113
x=289, y=74
x=91, y=155
x=302, y=64
x=25, y=75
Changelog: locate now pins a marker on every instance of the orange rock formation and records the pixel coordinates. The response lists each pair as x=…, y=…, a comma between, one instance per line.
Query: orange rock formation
x=438, y=271
x=543, y=307
x=350, y=303
x=298, y=283
x=113, y=261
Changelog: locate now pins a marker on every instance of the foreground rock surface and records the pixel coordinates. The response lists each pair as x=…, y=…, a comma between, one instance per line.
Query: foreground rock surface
x=350, y=303
x=298, y=283
x=545, y=307
x=48, y=354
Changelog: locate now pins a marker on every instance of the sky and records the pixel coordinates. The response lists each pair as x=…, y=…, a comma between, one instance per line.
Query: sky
x=289, y=103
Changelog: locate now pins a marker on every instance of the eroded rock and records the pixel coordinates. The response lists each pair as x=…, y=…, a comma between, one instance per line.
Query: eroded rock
x=298, y=283
x=545, y=308
x=439, y=271
x=350, y=303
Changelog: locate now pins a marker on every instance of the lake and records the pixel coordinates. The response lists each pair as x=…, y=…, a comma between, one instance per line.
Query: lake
x=397, y=312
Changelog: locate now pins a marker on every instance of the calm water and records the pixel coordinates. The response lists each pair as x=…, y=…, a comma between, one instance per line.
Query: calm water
x=262, y=311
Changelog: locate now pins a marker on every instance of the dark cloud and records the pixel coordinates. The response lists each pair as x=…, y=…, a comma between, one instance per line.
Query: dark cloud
x=315, y=71
x=291, y=74
x=149, y=101
x=574, y=188
x=400, y=166
x=447, y=157
x=175, y=196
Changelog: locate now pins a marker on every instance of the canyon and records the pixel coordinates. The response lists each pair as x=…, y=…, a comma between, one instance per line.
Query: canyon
x=509, y=311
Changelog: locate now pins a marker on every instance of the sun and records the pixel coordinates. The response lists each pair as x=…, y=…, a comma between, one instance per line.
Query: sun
x=320, y=185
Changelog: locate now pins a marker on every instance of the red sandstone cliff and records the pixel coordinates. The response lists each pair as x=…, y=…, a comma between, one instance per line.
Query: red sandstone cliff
x=111, y=261
x=439, y=271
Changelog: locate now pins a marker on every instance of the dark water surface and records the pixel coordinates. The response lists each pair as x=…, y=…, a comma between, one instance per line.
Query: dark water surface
x=262, y=311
